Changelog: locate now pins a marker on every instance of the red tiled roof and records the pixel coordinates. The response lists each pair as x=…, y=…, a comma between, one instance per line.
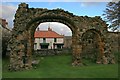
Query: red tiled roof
x=47, y=34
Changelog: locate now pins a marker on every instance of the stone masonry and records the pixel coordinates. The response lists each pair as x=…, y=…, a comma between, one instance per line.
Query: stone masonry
x=27, y=20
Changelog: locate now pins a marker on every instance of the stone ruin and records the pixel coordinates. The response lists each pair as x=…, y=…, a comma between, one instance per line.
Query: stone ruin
x=27, y=20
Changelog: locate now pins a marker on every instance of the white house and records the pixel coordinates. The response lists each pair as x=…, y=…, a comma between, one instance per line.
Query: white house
x=48, y=40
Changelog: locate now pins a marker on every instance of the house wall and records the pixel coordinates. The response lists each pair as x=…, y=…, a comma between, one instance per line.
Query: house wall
x=60, y=40
x=48, y=40
x=41, y=40
x=36, y=43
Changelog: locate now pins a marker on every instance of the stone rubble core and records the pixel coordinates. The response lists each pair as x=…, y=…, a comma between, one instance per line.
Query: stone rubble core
x=27, y=20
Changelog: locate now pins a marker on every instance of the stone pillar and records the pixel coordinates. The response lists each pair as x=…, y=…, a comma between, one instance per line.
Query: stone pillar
x=19, y=40
x=101, y=57
x=109, y=55
x=77, y=48
x=28, y=64
x=16, y=54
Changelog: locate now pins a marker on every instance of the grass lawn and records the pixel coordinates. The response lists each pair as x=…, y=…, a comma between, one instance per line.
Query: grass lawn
x=60, y=67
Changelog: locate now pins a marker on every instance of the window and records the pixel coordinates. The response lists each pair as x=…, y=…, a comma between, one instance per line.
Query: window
x=58, y=46
x=35, y=46
x=44, y=40
x=55, y=40
x=44, y=46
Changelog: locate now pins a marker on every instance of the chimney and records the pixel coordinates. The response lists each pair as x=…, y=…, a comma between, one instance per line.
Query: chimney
x=49, y=29
x=38, y=29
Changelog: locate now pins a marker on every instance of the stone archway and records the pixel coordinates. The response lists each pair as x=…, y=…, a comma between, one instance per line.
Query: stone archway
x=26, y=21
x=93, y=41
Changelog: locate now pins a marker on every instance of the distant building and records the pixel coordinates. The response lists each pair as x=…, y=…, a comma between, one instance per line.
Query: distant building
x=67, y=41
x=3, y=23
x=5, y=33
x=48, y=40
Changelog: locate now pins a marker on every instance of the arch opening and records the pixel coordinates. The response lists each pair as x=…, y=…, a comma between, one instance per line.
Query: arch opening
x=51, y=38
x=93, y=46
x=32, y=28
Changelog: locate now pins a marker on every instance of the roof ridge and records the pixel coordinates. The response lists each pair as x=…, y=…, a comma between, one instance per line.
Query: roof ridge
x=41, y=30
x=57, y=33
x=47, y=34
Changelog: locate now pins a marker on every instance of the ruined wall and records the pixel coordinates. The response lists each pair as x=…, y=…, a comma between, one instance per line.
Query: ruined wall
x=90, y=46
x=113, y=38
x=27, y=20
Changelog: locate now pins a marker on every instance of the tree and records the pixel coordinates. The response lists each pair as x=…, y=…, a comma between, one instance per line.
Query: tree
x=112, y=14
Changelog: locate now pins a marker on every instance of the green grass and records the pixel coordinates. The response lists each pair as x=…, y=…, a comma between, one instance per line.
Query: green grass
x=60, y=67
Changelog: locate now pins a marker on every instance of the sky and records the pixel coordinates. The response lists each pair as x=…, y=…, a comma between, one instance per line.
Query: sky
x=90, y=9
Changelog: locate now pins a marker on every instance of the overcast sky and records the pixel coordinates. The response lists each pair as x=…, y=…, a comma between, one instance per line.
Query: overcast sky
x=77, y=8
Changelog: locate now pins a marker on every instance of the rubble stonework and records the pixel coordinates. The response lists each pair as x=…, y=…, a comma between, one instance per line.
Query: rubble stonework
x=27, y=20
